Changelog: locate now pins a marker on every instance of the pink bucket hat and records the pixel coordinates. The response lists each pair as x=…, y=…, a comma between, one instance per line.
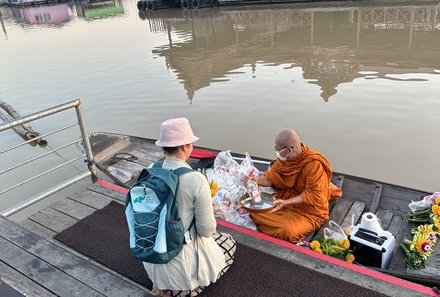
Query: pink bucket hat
x=175, y=132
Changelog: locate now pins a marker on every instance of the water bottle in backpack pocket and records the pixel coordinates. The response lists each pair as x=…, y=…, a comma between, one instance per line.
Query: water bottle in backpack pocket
x=152, y=213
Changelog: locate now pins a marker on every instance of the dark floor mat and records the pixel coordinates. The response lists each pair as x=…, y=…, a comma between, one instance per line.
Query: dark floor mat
x=103, y=236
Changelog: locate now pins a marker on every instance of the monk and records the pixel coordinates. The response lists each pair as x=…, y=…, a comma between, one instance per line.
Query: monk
x=301, y=177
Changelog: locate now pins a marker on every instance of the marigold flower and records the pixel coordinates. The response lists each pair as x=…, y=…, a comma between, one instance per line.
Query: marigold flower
x=213, y=185
x=214, y=188
x=213, y=192
x=315, y=245
x=436, y=209
x=437, y=223
x=344, y=243
x=437, y=201
x=349, y=258
x=423, y=246
x=318, y=250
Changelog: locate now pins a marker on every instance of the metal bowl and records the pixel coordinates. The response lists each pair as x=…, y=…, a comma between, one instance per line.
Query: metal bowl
x=265, y=205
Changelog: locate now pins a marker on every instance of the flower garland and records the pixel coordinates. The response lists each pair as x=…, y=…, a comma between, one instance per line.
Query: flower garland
x=331, y=247
x=424, y=238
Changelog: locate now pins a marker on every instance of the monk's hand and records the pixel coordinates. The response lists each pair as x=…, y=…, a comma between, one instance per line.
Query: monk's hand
x=251, y=177
x=279, y=204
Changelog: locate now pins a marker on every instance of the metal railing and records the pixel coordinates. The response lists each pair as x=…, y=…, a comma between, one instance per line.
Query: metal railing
x=88, y=155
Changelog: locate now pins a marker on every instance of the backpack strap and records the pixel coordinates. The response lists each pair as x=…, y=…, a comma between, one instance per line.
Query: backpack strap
x=158, y=164
x=179, y=171
x=144, y=171
x=183, y=170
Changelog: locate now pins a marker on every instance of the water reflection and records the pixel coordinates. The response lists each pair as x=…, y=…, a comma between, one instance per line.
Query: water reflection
x=331, y=47
x=59, y=14
x=99, y=9
x=42, y=15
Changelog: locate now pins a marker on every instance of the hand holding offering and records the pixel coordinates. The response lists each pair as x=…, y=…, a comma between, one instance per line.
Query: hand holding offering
x=279, y=204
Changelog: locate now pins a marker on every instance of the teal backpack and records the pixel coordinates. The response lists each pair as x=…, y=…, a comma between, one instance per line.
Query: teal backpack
x=152, y=213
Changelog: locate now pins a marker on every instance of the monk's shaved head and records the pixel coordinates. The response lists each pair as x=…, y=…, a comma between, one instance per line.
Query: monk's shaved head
x=288, y=137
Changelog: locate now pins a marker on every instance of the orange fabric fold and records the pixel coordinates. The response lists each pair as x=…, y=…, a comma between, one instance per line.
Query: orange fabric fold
x=309, y=176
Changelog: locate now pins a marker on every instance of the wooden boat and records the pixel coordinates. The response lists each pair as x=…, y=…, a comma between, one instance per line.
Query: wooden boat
x=152, y=5
x=122, y=158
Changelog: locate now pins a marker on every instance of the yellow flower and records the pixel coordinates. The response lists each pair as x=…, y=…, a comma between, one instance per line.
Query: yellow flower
x=213, y=192
x=318, y=250
x=423, y=246
x=344, y=243
x=349, y=258
x=427, y=230
x=437, y=223
x=315, y=245
x=436, y=209
x=437, y=201
x=214, y=188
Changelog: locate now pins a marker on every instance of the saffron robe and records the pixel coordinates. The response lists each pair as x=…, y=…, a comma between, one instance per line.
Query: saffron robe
x=309, y=176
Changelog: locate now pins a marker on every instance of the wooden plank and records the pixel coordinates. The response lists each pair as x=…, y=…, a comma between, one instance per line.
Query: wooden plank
x=91, y=198
x=53, y=219
x=148, y=152
x=398, y=230
x=21, y=283
x=41, y=272
x=399, y=206
x=340, y=210
x=338, y=214
x=354, y=214
x=52, y=257
x=402, y=193
x=396, y=227
x=397, y=198
x=125, y=171
x=115, y=195
x=385, y=217
x=359, y=186
x=73, y=208
x=339, y=181
x=105, y=146
x=37, y=229
x=376, y=198
x=7, y=290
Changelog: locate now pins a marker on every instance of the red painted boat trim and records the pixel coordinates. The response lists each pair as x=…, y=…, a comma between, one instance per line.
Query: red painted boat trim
x=112, y=186
x=335, y=261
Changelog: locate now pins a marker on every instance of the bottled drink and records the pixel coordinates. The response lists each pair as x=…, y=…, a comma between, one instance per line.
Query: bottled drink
x=254, y=191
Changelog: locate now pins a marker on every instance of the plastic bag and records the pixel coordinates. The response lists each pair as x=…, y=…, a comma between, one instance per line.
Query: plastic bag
x=334, y=231
x=246, y=169
x=348, y=226
x=426, y=202
x=230, y=176
x=224, y=161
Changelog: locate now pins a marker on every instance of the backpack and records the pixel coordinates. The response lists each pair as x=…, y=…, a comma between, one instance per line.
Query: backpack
x=152, y=213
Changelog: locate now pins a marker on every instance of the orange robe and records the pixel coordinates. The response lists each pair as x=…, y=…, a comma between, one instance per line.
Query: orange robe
x=309, y=176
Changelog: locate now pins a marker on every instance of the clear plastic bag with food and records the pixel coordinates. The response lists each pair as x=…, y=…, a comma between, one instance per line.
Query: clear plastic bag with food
x=334, y=231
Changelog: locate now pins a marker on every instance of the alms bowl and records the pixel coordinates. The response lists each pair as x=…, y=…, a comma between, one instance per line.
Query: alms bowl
x=266, y=204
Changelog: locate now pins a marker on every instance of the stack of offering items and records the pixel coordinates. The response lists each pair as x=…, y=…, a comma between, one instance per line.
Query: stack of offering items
x=254, y=190
x=231, y=177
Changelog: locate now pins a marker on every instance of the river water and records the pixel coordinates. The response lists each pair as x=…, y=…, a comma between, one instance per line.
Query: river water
x=358, y=82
